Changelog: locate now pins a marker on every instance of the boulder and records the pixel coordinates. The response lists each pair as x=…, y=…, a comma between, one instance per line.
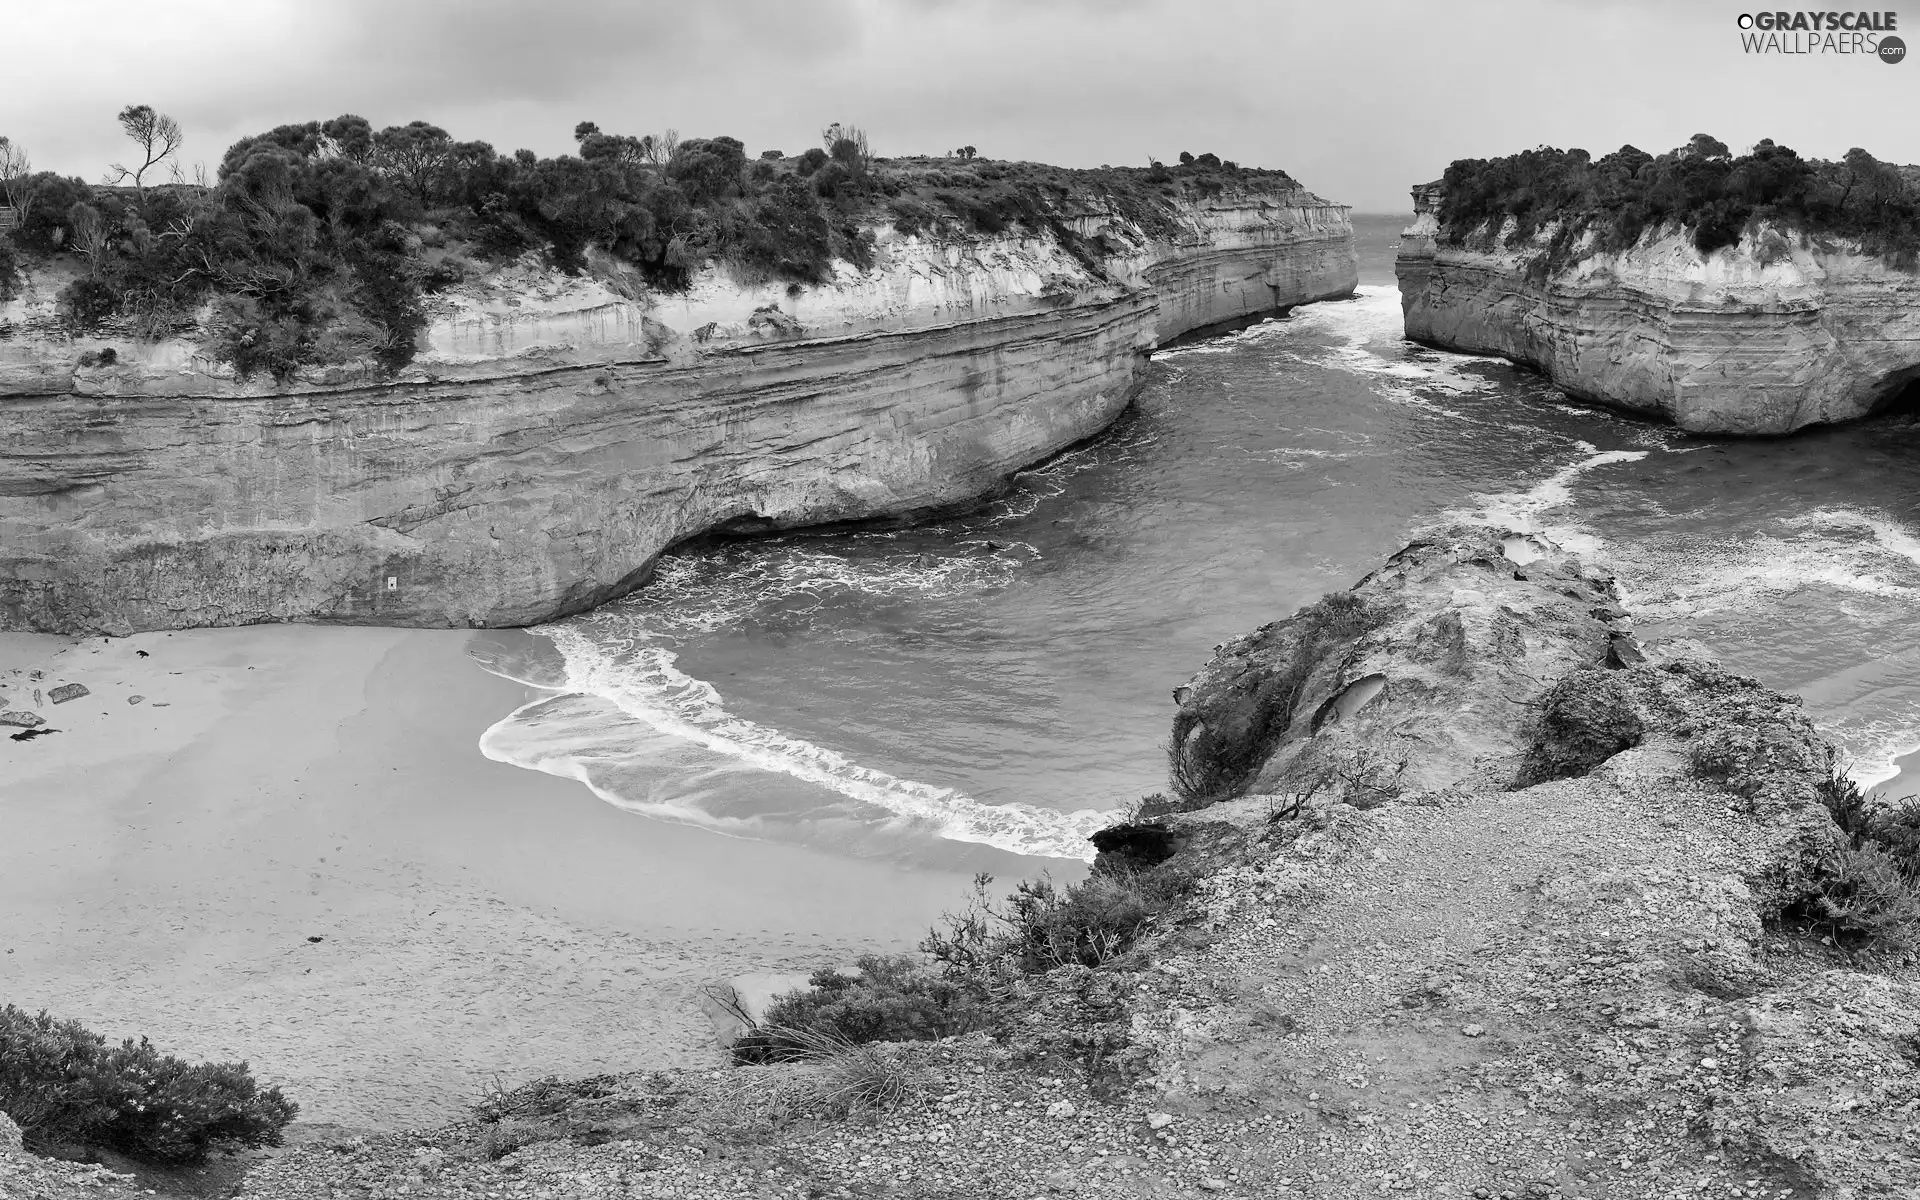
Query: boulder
x=68, y=691
x=1588, y=718
x=24, y=720
x=10, y=1141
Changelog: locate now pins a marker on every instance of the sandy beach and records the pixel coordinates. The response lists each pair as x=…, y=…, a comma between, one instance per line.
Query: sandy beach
x=290, y=851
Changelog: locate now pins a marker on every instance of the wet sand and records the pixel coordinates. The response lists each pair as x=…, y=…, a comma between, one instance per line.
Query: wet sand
x=1905, y=780
x=166, y=866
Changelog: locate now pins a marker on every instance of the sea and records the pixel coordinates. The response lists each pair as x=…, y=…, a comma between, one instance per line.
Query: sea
x=999, y=682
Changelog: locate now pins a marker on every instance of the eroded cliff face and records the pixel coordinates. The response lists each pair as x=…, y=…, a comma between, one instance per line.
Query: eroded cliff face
x=556, y=434
x=1766, y=337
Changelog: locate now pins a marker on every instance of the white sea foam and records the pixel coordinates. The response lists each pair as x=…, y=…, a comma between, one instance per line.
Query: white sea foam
x=642, y=681
x=1373, y=318
x=1844, y=549
x=1525, y=512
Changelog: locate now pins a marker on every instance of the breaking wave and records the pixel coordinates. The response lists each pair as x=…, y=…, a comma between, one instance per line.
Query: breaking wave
x=650, y=714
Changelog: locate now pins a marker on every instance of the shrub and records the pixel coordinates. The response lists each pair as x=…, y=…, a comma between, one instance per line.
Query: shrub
x=1040, y=927
x=708, y=169
x=66, y=1085
x=9, y=271
x=840, y=1076
x=812, y=161
x=86, y=303
x=1864, y=884
x=890, y=999
x=783, y=233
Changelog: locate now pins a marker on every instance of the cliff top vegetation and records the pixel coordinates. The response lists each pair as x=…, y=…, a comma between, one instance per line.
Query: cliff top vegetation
x=320, y=242
x=1702, y=188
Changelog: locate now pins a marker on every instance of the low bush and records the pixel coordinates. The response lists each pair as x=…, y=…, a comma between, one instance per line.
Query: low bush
x=1864, y=885
x=67, y=1086
x=982, y=953
x=1041, y=927
x=891, y=998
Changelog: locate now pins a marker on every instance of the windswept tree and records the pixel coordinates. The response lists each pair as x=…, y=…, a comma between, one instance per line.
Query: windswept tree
x=416, y=154
x=16, y=177
x=156, y=134
x=661, y=149
x=596, y=146
x=847, y=145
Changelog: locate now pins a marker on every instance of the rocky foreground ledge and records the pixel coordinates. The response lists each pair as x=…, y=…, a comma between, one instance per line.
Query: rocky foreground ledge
x=1503, y=905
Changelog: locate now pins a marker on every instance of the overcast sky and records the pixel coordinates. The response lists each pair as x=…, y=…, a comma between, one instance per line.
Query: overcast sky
x=1357, y=99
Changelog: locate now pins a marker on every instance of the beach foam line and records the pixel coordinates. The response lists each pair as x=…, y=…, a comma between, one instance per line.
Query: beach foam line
x=642, y=682
x=647, y=686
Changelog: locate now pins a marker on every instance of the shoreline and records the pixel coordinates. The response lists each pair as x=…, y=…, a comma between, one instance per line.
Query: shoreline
x=168, y=862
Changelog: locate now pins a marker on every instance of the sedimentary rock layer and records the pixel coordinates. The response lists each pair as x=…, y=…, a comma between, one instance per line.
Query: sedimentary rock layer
x=1766, y=337
x=557, y=434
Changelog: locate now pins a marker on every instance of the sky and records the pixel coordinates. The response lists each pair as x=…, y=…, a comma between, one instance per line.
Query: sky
x=1356, y=100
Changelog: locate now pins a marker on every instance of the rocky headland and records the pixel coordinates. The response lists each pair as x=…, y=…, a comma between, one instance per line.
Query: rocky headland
x=1776, y=332
x=1490, y=900
x=554, y=433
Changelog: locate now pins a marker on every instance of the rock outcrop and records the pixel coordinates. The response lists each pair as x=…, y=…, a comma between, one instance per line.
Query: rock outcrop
x=557, y=434
x=1524, y=922
x=1774, y=334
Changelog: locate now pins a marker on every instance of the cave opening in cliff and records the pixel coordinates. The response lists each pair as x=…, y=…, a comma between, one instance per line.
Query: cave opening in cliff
x=1899, y=394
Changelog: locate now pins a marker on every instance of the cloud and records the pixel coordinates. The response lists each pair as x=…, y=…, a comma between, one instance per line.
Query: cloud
x=1357, y=100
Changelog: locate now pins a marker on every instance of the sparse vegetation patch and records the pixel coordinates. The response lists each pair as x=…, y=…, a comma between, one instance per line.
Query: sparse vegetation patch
x=69, y=1087
x=1862, y=885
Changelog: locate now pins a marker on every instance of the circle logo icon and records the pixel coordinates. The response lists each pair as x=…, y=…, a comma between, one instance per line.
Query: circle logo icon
x=1892, y=50
x=1746, y=21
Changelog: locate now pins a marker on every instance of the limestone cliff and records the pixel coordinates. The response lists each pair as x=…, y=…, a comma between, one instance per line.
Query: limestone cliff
x=1774, y=334
x=558, y=433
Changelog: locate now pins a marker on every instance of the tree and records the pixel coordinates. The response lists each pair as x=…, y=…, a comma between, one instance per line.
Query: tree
x=1704, y=145
x=708, y=168
x=660, y=150
x=15, y=169
x=350, y=137
x=157, y=135
x=416, y=154
x=847, y=145
x=965, y=153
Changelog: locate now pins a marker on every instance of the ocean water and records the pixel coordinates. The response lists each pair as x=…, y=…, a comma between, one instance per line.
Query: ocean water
x=999, y=682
